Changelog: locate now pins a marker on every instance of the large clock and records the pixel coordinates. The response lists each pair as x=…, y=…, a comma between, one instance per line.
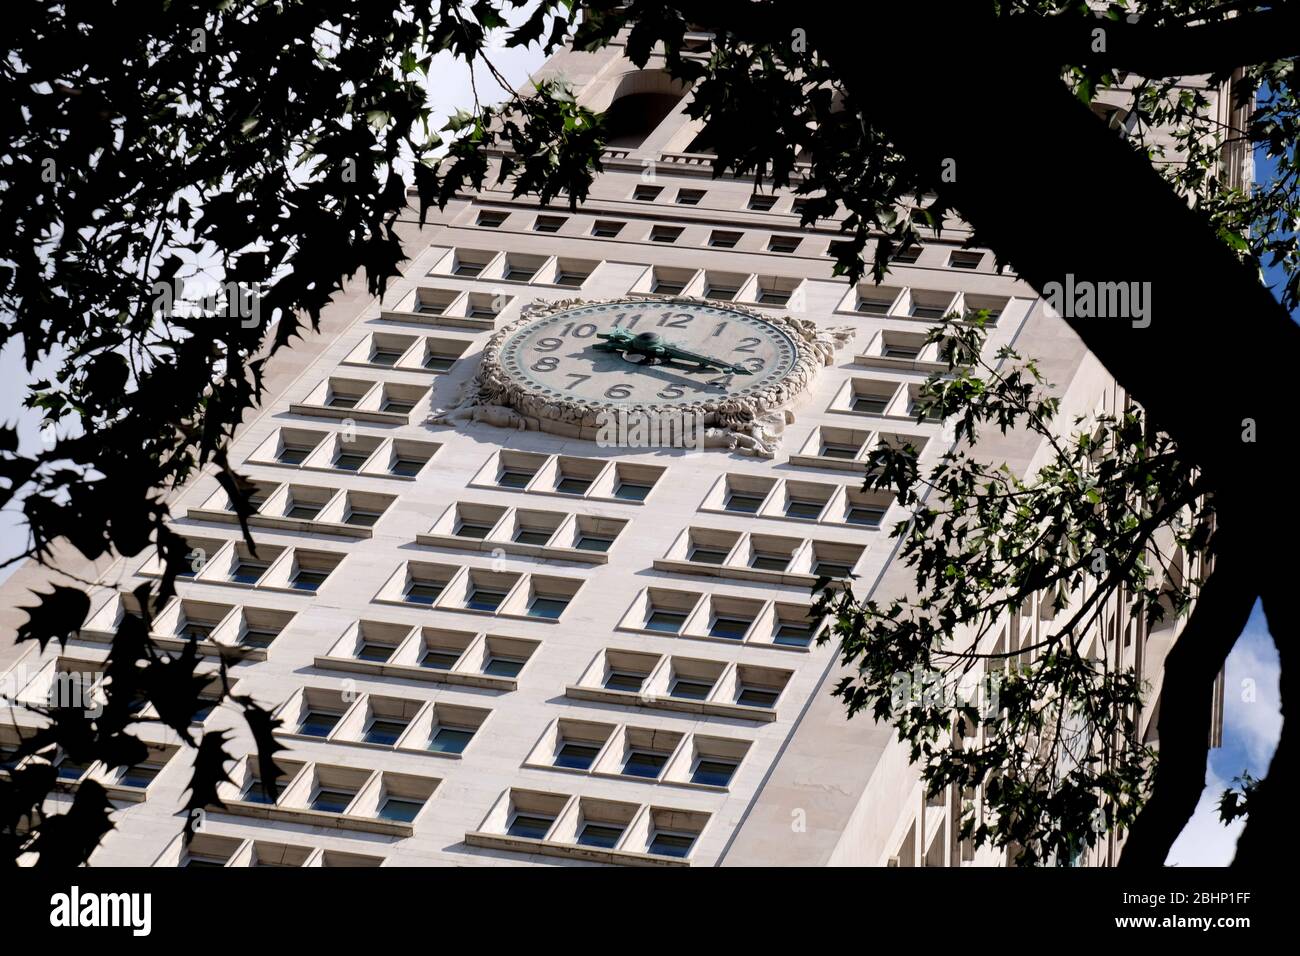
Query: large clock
x=648, y=353
x=566, y=367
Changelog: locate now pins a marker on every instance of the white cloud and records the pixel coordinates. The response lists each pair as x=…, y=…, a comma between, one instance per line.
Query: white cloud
x=1205, y=841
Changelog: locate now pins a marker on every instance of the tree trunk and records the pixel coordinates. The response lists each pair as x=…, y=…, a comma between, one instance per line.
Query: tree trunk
x=1044, y=183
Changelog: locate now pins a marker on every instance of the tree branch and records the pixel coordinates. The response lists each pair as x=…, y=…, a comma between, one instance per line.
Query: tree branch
x=1186, y=702
x=1270, y=819
x=1152, y=50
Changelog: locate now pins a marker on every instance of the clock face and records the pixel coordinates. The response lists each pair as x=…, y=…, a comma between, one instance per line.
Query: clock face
x=661, y=353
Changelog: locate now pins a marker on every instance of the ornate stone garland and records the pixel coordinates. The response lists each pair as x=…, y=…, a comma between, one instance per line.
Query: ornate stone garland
x=749, y=424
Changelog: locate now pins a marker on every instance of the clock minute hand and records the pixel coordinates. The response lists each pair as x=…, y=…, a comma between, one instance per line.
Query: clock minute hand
x=655, y=349
x=705, y=361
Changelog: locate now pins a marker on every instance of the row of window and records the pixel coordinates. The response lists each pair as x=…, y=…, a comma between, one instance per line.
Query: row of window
x=212, y=624
x=643, y=753
x=742, y=555
x=720, y=285
x=299, y=507
x=122, y=783
x=718, y=238
x=391, y=723
x=214, y=850
x=608, y=830
x=379, y=801
x=450, y=587
x=414, y=652
x=344, y=451
x=526, y=531
x=714, y=616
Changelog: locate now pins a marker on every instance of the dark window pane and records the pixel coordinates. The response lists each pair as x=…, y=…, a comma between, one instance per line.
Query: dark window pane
x=450, y=740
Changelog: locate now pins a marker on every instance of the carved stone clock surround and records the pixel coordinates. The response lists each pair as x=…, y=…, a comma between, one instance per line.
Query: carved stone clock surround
x=750, y=423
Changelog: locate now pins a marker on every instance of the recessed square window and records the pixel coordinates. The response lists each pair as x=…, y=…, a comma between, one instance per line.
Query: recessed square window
x=530, y=826
x=570, y=485
x=744, y=502
x=377, y=653
x=400, y=810
x=730, y=628
x=332, y=799
x=549, y=223
x=794, y=633
x=140, y=775
x=384, y=730
x=362, y=518
x=593, y=542
x=575, y=756
x=756, y=697
x=606, y=228
x=670, y=622
x=705, y=555
x=525, y=536
x=720, y=292
x=485, y=599
x=258, y=637
x=385, y=357
x=689, y=197
x=644, y=763
x=600, y=835
x=349, y=460
x=423, y=592
x=671, y=844
x=669, y=286
x=761, y=203
x=491, y=218
x=713, y=773
x=920, y=311
x=624, y=680
x=783, y=243
x=689, y=689
x=570, y=279
x=873, y=306
x=468, y=269
x=450, y=740
x=632, y=490
x=549, y=608
x=965, y=260
x=767, y=561
x=798, y=205
x=514, y=478
x=407, y=467
x=644, y=193
x=803, y=508
x=899, y=350
x=473, y=529
x=439, y=363
x=248, y=571
x=832, y=569
x=771, y=296
x=293, y=454
x=908, y=255
x=308, y=579
x=665, y=233
x=869, y=515
x=724, y=239
x=343, y=401
x=318, y=723
x=439, y=660
x=498, y=666
x=839, y=450
x=871, y=404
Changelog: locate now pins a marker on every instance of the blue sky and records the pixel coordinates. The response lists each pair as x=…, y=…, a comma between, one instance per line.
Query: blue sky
x=1252, y=718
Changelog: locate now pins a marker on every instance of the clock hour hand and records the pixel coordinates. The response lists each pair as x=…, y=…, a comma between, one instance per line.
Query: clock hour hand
x=655, y=349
